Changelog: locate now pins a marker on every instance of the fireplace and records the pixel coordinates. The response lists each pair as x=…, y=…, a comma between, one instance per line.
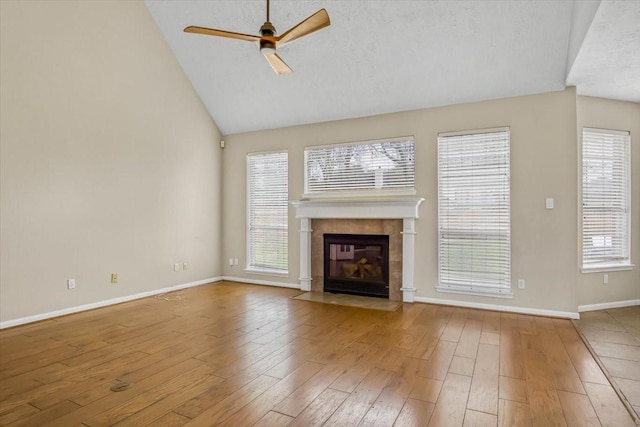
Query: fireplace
x=350, y=212
x=357, y=264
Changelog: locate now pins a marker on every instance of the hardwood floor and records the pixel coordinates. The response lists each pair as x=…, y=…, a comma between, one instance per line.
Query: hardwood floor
x=614, y=336
x=240, y=355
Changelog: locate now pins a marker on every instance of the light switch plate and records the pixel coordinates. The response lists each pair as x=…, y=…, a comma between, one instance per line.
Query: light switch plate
x=548, y=203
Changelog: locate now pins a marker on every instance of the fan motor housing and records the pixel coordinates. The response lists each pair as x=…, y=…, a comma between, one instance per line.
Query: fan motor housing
x=267, y=29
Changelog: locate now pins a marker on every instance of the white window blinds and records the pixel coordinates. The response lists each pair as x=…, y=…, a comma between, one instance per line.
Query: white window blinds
x=605, y=198
x=372, y=166
x=474, y=213
x=267, y=217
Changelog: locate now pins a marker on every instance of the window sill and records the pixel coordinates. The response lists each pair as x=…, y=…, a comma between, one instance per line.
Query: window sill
x=607, y=267
x=267, y=272
x=463, y=291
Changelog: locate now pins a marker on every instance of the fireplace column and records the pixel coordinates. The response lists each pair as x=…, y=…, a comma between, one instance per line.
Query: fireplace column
x=408, y=246
x=305, y=254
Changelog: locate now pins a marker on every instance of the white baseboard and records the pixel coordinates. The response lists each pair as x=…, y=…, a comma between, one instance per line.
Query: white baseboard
x=466, y=304
x=261, y=282
x=608, y=305
x=496, y=307
x=85, y=307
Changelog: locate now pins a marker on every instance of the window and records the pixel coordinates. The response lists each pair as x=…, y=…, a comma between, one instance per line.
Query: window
x=362, y=167
x=474, y=245
x=267, y=215
x=605, y=199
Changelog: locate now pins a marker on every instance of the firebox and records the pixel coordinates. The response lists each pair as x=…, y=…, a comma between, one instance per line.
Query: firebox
x=356, y=264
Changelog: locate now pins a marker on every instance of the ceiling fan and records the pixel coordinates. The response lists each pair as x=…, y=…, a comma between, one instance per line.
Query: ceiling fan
x=268, y=40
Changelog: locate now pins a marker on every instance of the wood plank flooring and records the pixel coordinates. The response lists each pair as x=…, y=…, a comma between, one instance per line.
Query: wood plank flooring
x=614, y=336
x=232, y=354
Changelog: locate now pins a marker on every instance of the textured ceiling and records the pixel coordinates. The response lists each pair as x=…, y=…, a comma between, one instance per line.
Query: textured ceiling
x=608, y=63
x=394, y=55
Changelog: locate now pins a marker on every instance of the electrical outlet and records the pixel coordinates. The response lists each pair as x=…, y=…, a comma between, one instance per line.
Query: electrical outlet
x=114, y=278
x=235, y=261
x=176, y=266
x=185, y=266
x=231, y=261
x=605, y=279
x=71, y=283
x=520, y=283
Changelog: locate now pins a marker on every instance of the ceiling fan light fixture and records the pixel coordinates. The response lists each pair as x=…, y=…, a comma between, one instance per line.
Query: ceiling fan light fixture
x=267, y=47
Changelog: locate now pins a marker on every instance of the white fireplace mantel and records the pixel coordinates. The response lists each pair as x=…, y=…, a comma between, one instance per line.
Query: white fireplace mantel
x=387, y=208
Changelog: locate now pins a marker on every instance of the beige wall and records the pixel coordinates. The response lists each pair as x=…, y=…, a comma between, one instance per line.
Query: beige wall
x=608, y=114
x=109, y=161
x=543, y=164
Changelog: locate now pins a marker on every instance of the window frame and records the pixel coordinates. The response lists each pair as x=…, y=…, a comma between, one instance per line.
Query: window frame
x=625, y=262
x=360, y=192
x=503, y=289
x=250, y=266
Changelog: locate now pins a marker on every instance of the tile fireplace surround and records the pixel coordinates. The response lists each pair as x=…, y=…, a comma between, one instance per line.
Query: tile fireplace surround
x=405, y=209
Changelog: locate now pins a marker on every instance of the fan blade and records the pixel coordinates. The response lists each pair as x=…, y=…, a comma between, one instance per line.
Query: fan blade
x=278, y=64
x=221, y=33
x=315, y=22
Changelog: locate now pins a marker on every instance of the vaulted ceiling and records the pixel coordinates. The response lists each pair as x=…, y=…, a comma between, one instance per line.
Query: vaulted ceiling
x=396, y=55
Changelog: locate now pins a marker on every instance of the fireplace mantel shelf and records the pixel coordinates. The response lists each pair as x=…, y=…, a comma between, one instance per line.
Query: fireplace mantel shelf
x=388, y=208
x=383, y=208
